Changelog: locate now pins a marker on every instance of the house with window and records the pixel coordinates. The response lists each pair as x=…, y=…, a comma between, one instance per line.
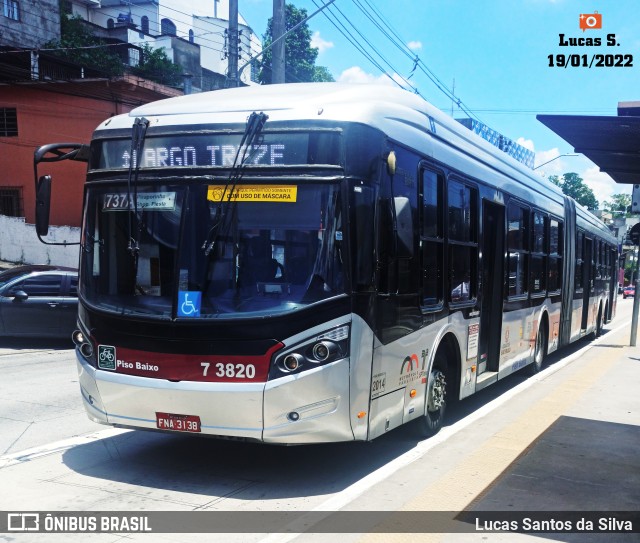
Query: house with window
x=194, y=35
x=33, y=113
x=29, y=24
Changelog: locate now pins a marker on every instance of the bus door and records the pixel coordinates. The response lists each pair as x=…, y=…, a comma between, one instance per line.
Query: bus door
x=491, y=305
x=587, y=279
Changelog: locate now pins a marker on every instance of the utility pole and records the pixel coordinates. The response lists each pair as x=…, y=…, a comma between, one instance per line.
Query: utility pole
x=232, y=73
x=277, y=30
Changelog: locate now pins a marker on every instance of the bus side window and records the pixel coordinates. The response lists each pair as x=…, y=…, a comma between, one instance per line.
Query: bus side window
x=555, y=256
x=579, y=261
x=463, y=242
x=518, y=247
x=538, y=283
x=431, y=237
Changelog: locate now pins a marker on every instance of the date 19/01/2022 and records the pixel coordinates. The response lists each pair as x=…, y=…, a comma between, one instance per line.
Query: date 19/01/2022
x=583, y=60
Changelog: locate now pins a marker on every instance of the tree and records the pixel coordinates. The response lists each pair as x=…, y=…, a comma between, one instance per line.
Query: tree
x=322, y=74
x=156, y=66
x=300, y=57
x=573, y=185
x=618, y=202
x=79, y=46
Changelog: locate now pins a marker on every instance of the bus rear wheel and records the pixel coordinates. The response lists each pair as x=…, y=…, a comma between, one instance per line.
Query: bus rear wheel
x=436, y=403
x=539, y=350
x=599, y=323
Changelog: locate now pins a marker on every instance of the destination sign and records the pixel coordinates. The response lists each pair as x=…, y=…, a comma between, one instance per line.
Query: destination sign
x=217, y=150
x=148, y=201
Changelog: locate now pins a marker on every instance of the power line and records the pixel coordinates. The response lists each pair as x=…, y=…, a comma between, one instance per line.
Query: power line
x=337, y=23
x=379, y=22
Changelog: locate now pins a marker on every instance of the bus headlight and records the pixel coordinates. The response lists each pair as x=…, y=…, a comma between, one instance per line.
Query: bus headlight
x=321, y=349
x=291, y=362
x=324, y=350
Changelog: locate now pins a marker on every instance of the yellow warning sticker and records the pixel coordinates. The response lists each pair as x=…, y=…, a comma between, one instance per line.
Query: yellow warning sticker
x=252, y=193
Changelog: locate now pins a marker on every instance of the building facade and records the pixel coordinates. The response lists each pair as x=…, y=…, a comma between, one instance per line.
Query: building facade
x=29, y=23
x=194, y=35
x=35, y=113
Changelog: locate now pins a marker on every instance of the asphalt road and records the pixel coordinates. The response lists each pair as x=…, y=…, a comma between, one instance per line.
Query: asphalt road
x=54, y=459
x=39, y=394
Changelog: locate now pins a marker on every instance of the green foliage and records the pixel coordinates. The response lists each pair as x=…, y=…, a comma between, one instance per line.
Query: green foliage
x=573, y=185
x=79, y=46
x=618, y=202
x=156, y=66
x=322, y=74
x=300, y=57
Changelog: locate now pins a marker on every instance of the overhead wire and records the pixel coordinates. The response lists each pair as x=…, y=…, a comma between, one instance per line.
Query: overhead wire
x=373, y=14
x=337, y=23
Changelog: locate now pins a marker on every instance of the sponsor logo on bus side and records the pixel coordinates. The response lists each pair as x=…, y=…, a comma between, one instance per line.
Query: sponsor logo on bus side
x=410, y=370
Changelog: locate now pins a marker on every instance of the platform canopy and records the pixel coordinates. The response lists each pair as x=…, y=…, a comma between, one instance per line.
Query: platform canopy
x=612, y=143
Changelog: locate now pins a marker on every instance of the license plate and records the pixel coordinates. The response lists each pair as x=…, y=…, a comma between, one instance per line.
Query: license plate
x=178, y=423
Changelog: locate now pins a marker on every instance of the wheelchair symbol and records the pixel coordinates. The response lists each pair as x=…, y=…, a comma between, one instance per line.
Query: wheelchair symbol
x=189, y=303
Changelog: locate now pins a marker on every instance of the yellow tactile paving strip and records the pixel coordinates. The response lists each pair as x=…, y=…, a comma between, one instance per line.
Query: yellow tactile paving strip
x=456, y=489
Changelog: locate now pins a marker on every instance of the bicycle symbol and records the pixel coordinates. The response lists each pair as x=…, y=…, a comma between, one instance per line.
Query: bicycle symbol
x=107, y=356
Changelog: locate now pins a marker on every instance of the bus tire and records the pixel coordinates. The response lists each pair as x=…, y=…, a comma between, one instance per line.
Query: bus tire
x=598, y=331
x=540, y=350
x=436, y=401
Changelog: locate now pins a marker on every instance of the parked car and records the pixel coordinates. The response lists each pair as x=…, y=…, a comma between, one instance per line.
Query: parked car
x=629, y=291
x=38, y=301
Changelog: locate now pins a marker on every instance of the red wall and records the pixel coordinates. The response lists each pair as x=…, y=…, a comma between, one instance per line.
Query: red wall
x=49, y=116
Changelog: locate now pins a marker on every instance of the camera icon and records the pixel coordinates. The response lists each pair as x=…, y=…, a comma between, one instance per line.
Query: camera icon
x=590, y=21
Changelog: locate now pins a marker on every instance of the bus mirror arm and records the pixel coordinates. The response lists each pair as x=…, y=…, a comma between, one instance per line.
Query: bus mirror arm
x=53, y=152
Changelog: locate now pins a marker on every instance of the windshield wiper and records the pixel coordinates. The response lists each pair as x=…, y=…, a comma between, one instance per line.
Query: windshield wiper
x=138, y=134
x=255, y=124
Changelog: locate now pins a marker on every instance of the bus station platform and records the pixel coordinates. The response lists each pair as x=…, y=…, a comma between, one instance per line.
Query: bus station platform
x=559, y=455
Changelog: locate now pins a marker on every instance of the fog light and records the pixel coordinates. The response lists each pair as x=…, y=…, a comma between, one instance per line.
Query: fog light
x=77, y=337
x=293, y=416
x=86, y=349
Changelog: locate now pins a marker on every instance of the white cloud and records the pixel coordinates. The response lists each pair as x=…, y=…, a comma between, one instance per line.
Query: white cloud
x=355, y=74
x=527, y=144
x=414, y=45
x=319, y=43
x=602, y=185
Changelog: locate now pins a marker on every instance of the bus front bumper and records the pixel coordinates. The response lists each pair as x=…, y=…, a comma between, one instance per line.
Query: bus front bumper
x=311, y=407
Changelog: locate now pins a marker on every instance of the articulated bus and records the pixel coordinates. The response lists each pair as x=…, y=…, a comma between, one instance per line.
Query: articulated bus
x=316, y=263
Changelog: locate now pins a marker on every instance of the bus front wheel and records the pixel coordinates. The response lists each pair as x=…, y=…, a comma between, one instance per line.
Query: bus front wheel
x=431, y=422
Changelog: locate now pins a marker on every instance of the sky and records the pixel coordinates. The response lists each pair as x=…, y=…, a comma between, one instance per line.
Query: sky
x=494, y=55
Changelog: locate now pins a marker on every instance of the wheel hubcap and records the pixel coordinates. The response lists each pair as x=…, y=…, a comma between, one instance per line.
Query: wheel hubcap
x=437, y=391
x=539, y=349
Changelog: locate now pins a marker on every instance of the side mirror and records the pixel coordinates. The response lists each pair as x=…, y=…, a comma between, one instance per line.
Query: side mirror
x=43, y=204
x=20, y=295
x=403, y=227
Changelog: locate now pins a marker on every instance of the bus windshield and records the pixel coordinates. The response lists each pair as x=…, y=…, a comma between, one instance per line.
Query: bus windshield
x=194, y=252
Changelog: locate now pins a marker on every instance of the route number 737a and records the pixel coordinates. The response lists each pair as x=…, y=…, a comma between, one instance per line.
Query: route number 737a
x=229, y=370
